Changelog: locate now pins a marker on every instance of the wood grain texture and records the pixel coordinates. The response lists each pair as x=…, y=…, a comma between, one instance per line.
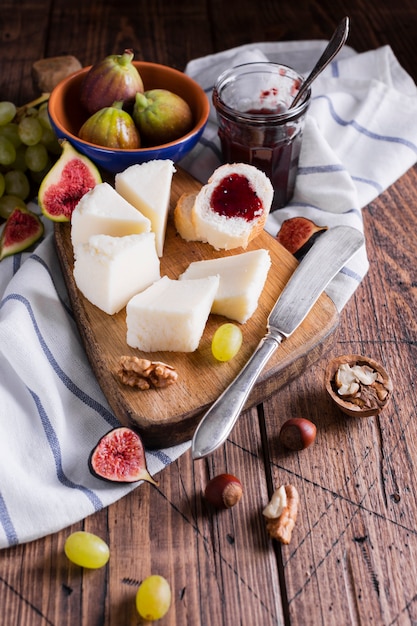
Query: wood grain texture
x=170, y=416
x=352, y=559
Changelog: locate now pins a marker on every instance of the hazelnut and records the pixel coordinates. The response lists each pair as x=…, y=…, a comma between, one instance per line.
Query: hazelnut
x=297, y=433
x=223, y=491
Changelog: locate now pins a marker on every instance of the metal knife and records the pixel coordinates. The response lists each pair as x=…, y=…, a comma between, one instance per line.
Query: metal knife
x=324, y=260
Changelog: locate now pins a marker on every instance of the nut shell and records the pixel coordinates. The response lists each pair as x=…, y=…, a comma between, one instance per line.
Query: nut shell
x=349, y=408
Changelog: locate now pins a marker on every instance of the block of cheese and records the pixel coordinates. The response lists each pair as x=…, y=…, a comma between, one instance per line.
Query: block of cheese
x=170, y=315
x=242, y=279
x=231, y=209
x=102, y=211
x=148, y=187
x=110, y=270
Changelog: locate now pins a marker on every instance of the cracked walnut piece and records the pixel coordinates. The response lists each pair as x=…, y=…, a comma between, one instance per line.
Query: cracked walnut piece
x=145, y=374
x=281, y=526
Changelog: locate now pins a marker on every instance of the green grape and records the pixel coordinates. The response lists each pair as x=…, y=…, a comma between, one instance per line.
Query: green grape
x=226, y=342
x=153, y=598
x=9, y=203
x=2, y=184
x=43, y=116
x=50, y=141
x=86, y=550
x=36, y=157
x=37, y=177
x=17, y=184
x=20, y=161
x=7, y=112
x=11, y=132
x=30, y=131
x=7, y=151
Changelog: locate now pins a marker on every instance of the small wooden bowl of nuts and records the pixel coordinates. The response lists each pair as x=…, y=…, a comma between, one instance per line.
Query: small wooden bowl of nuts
x=358, y=385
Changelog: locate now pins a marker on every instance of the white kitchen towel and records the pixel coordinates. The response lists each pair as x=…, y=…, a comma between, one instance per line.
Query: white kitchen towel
x=361, y=135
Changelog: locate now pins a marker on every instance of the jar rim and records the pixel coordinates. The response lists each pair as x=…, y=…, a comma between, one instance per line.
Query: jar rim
x=258, y=118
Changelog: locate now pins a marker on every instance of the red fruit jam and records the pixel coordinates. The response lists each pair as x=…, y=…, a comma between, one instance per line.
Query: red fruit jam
x=234, y=197
x=274, y=149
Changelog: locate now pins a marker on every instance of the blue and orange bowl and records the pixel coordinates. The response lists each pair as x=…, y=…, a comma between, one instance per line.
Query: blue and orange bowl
x=67, y=115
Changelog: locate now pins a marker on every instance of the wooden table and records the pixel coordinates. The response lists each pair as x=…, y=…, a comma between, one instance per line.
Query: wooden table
x=352, y=558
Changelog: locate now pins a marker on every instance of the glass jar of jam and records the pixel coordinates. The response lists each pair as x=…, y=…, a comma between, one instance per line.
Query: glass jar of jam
x=257, y=126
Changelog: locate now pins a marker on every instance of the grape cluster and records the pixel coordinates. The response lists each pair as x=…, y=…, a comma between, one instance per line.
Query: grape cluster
x=28, y=149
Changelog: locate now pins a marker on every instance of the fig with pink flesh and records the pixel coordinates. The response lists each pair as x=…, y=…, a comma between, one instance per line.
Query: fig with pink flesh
x=119, y=457
x=22, y=229
x=67, y=181
x=111, y=127
x=297, y=235
x=112, y=79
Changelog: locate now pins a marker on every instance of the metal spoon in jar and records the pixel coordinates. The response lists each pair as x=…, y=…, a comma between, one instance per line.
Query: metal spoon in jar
x=335, y=44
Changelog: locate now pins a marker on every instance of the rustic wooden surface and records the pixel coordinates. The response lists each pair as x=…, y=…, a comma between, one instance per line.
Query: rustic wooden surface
x=352, y=559
x=168, y=418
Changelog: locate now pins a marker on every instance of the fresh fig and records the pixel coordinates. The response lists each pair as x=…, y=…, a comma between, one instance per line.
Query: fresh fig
x=161, y=116
x=112, y=79
x=67, y=181
x=21, y=230
x=111, y=127
x=297, y=235
x=119, y=457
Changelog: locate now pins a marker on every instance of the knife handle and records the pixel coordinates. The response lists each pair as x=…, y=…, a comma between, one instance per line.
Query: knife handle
x=219, y=420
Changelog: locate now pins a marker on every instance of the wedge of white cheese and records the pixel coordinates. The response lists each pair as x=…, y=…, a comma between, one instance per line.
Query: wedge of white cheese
x=170, y=315
x=109, y=271
x=147, y=186
x=242, y=279
x=102, y=211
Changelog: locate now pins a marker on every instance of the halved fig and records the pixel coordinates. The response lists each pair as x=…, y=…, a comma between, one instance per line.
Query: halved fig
x=66, y=182
x=119, y=456
x=22, y=229
x=297, y=235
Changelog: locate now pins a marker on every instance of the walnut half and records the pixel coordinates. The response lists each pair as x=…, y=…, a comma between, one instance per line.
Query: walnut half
x=281, y=513
x=144, y=374
x=359, y=385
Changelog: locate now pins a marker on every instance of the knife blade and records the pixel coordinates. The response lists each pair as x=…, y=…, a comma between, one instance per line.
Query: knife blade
x=323, y=261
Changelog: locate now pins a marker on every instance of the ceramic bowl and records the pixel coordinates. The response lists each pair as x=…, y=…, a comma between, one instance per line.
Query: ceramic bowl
x=67, y=116
x=373, y=405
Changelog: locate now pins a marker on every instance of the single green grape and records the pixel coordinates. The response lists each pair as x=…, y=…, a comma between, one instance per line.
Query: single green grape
x=86, y=550
x=7, y=151
x=153, y=598
x=9, y=203
x=36, y=157
x=11, y=132
x=30, y=131
x=2, y=184
x=226, y=342
x=7, y=112
x=17, y=184
x=43, y=116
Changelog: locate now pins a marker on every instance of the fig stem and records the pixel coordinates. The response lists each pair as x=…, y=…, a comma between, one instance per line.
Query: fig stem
x=126, y=57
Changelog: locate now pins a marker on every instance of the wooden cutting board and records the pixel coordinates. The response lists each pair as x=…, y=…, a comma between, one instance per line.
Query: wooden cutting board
x=169, y=416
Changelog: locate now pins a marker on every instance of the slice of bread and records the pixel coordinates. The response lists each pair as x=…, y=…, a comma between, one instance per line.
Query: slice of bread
x=183, y=219
x=231, y=209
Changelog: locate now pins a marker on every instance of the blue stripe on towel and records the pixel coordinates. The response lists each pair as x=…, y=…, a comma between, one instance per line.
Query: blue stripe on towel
x=321, y=169
x=69, y=384
x=364, y=131
x=56, y=452
x=6, y=522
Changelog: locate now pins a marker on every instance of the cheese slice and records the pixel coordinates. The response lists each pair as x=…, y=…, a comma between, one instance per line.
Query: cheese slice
x=110, y=270
x=242, y=279
x=148, y=187
x=170, y=315
x=102, y=211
